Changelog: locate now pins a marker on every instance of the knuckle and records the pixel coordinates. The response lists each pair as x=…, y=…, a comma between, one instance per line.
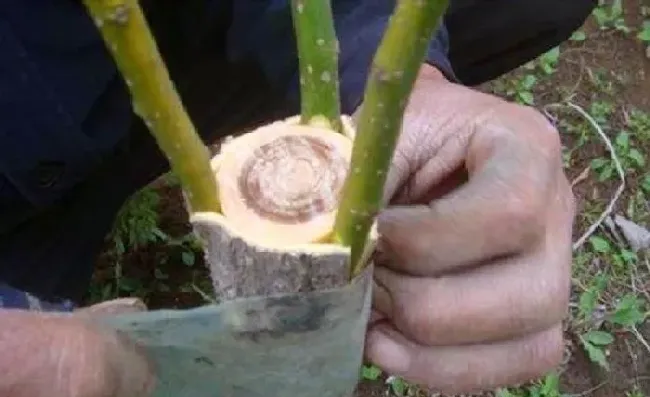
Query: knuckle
x=548, y=137
x=522, y=218
x=520, y=210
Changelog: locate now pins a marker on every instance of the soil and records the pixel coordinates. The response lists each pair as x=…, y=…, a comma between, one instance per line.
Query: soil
x=169, y=284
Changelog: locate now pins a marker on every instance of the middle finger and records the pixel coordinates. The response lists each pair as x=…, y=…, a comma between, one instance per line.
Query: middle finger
x=489, y=303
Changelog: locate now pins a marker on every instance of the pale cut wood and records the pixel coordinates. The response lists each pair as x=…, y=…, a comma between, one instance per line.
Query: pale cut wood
x=244, y=265
x=241, y=268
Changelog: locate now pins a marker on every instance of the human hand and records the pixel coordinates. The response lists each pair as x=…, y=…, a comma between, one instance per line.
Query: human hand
x=65, y=355
x=473, y=268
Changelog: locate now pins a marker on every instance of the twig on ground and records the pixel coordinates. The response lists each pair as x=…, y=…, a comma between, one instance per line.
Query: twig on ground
x=640, y=338
x=582, y=177
x=579, y=80
x=590, y=390
x=206, y=297
x=634, y=356
x=635, y=276
x=617, y=163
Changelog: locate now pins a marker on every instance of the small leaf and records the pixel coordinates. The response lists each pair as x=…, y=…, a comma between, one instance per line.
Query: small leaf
x=637, y=157
x=370, y=372
x=623, y=140
x=600, y=245
x=188, y=258
x=398, y=386
x=529, y=81
x=587, y=304
x=644, y=34
x=598, y=338
x=628, y=312
x=595, y=354
x=645, y=185
x=526, y=97
x=598, y=163
x=606, y=173
x=551, y=386
x=578, y=36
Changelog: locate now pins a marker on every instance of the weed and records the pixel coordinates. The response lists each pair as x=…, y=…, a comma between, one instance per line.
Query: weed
x=610, y=16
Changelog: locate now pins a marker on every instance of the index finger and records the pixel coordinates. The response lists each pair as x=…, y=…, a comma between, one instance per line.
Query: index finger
x=499, y=212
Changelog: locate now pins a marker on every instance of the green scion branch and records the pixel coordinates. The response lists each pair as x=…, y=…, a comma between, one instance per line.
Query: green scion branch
x=394, y=70
x=127, y=36
x=318, y=62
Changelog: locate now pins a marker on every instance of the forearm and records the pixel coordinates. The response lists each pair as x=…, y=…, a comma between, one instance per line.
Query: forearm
x=53, y=353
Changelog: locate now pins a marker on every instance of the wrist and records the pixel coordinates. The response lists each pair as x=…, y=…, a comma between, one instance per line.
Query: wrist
x=46, y=352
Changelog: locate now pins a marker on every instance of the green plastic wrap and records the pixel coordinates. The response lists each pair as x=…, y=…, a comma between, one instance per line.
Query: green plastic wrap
x=292, y=345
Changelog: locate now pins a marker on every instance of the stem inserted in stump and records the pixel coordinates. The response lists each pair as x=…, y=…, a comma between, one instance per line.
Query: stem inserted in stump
x=127, y=36
x=318, y=62
x=392, y=77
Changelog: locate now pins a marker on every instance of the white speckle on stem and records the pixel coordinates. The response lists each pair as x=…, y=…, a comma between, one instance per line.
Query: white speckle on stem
x=357, y=170
x=326, y=77
x=99, y=22
x=114, y=47
x=320, y=42
x=300, y=8
x=310, y=69
x=120, y=15
x=129, y=83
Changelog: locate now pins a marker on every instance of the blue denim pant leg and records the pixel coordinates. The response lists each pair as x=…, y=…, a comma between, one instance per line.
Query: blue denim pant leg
x=12, y=298
x=52, y=254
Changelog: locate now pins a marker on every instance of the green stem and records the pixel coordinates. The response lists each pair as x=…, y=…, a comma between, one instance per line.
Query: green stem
x=394, y=70
x=318, y=62
x=127, y=36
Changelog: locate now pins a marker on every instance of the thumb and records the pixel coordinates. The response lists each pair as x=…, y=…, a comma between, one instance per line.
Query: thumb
x=132, y=371
x=112, y=307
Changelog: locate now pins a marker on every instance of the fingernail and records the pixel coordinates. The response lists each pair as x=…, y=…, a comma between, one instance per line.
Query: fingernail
x=384, y=351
